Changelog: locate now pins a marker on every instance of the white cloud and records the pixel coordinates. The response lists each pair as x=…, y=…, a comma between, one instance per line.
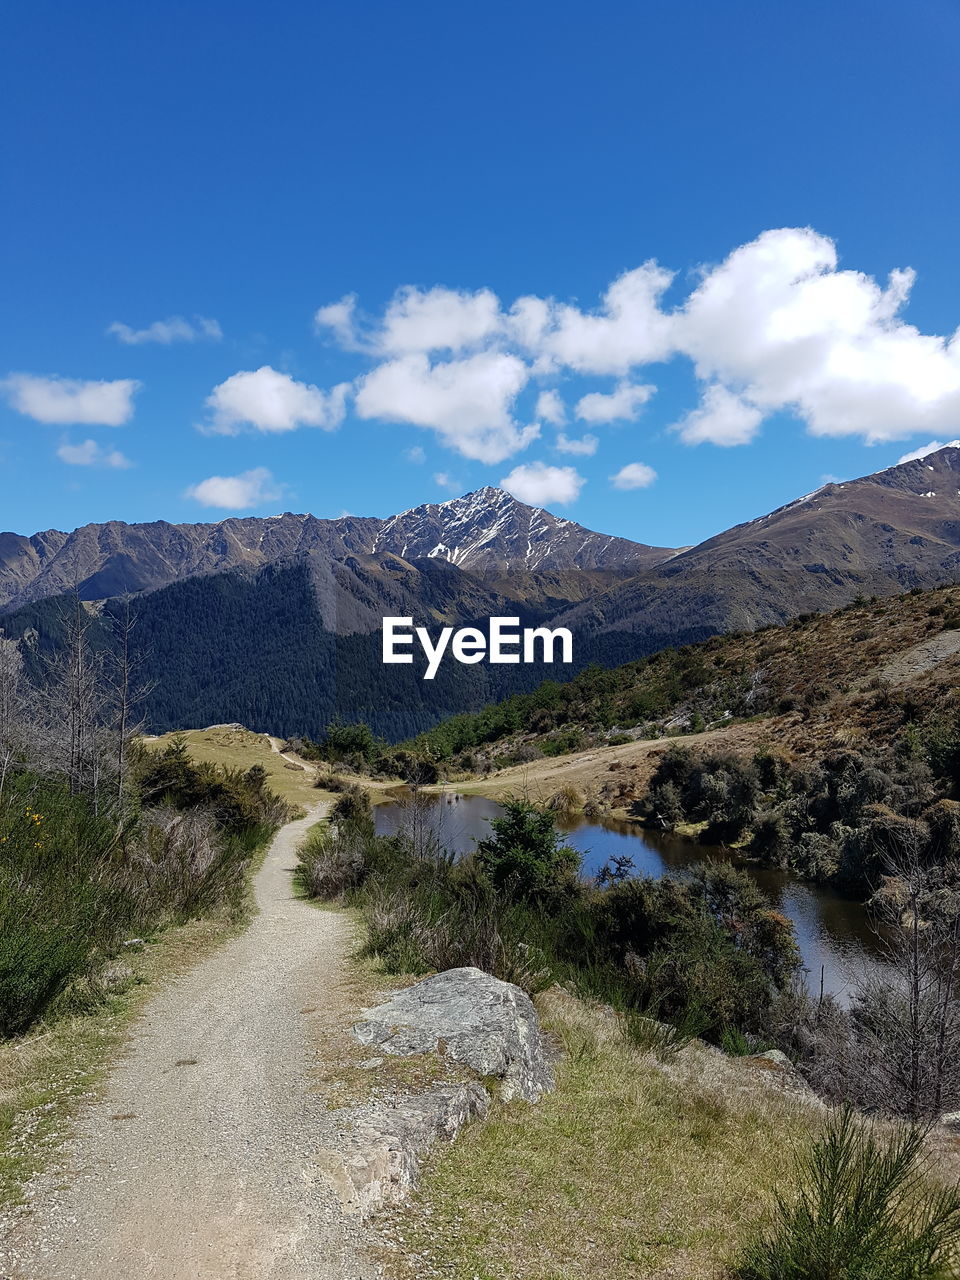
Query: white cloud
x=629, y=330
x=341, y=317
x=415, y=454
x=438, y=320
x=621, y=405
x=779, y=323
x=538, y=484
x=550, y=408
x=90, y=454
x=445, y=481
x=932, y=447
x=174, y=329
x=635, y=475
x=722, y=418
x=586, y=445
x=65, y=400
x=417, y=322
x=467, y=402
x=236, y=493
x=270, y=401
x=777, y=326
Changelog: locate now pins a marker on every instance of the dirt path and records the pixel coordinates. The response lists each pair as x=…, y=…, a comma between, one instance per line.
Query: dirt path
x=920, y=658
x=199, y=1162
x=276, y=745
x=540, y=778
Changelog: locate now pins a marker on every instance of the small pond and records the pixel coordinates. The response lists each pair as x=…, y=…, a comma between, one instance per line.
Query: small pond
x=833, y=931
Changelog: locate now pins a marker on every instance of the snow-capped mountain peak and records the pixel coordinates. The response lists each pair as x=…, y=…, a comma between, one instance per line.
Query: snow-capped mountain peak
x=489, y=529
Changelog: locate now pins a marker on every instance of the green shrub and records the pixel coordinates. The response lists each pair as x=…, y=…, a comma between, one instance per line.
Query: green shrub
x=235, y=799
x=524, y=858
x=861, y=1210
x=59, y=896
x=708, y=949
x=75, y=880
x=561, y=744
x=352, y=805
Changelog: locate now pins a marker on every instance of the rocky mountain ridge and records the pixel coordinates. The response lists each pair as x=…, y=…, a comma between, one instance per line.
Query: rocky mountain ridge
x=485, y=531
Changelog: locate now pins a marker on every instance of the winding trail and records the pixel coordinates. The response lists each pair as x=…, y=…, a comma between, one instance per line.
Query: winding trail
x=200, y=1160
x=276, y=745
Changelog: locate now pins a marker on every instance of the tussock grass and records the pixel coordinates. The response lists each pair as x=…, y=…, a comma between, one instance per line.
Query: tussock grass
x=634, y=1167
x=566, y=799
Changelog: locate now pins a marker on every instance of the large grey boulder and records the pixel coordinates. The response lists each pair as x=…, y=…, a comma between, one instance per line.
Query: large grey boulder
x=464, y=1014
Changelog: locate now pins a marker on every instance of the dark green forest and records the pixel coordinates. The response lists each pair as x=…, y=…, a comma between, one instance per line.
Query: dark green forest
x=253, y=648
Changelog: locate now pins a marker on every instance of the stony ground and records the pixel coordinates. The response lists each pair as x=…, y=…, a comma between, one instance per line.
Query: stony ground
x=203, y=1156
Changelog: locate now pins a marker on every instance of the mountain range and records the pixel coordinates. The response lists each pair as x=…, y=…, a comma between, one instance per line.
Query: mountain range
x=275, y=621
x=487, y=531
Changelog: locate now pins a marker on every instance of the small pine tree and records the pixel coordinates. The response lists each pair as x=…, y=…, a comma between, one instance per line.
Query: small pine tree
x=525, y=858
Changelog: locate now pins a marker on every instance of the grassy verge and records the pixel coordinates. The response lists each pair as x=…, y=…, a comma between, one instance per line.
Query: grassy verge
x=47, y=1074
x=632, y=1168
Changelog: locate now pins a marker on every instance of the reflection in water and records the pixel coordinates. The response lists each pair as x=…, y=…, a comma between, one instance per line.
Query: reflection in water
x=833, y=932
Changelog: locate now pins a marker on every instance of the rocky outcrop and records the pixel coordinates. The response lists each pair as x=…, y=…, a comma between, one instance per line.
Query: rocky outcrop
x=469, y=1018
x=487, y=1025
x=779, y=1071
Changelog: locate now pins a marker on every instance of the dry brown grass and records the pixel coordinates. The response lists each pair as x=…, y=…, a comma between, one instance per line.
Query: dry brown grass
x=632, y=1168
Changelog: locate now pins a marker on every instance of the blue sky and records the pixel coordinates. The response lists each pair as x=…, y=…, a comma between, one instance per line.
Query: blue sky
x=195, y=193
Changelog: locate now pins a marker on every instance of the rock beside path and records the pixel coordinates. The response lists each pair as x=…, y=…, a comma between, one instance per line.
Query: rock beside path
x=379, y=1162
x=472, y=1018
x=467, y=1017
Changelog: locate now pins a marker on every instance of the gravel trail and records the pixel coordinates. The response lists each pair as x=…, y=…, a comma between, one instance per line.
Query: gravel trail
x=200, y=1159
x=921, y=658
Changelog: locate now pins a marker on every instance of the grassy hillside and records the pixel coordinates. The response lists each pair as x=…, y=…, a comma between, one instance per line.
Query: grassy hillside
x=235, y=747
x=809, y=680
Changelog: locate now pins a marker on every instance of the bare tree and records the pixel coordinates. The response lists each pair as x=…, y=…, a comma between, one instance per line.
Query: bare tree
x=129, y=692
x=422, y=823
x=13, y=706
x=907, y=1018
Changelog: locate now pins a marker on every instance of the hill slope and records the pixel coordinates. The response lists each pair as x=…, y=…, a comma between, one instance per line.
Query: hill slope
x=813, y=683
x=878, y=535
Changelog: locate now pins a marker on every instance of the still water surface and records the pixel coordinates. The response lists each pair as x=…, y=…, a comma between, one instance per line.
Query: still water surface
x=833, y=932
